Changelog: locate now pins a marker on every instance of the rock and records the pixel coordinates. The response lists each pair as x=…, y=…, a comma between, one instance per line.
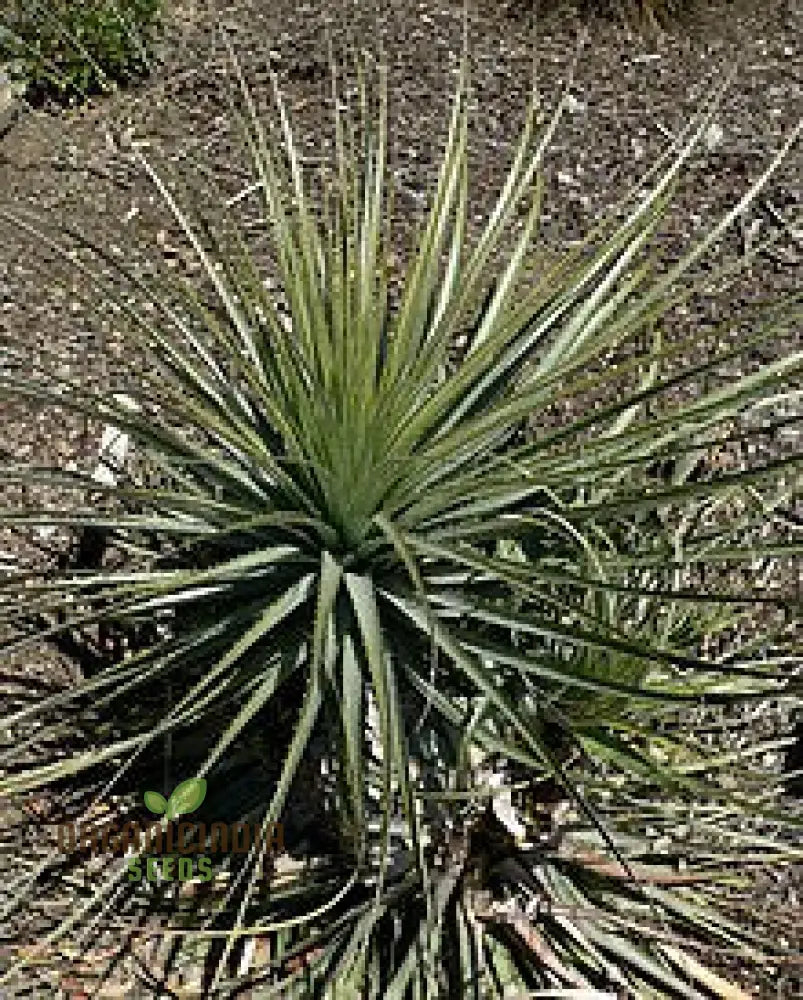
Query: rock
x=10, y=105
x=714, y=136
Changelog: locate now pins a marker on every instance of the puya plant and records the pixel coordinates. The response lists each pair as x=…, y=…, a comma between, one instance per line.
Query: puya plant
x=330, y=510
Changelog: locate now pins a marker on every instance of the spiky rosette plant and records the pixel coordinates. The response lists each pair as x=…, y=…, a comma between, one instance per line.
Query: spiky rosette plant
x=338, y=536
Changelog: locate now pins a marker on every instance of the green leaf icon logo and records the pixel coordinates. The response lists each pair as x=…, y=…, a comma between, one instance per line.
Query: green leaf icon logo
x=155, y=802
x=186, y=797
